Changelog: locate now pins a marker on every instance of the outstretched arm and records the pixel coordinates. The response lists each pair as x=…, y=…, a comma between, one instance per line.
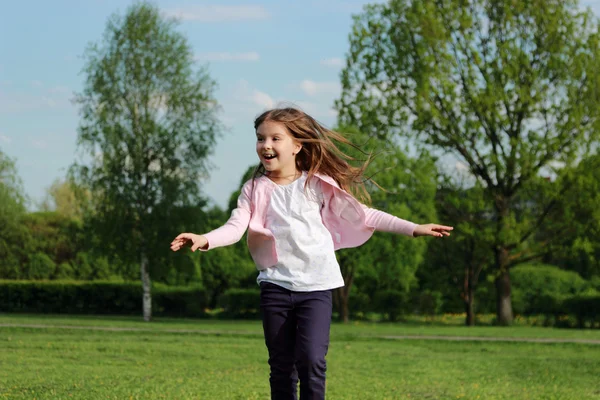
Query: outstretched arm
x=230, y=233
x=385, y=222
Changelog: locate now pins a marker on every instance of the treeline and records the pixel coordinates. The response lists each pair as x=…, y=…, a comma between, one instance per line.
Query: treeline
x=501, y=119
x=389, y=275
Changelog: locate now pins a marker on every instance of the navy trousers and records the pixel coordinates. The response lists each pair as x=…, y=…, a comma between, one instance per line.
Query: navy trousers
x=296, y=326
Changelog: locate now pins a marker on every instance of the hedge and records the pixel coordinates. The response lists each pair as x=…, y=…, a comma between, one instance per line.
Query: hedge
x=240, y=303
x=99, y=297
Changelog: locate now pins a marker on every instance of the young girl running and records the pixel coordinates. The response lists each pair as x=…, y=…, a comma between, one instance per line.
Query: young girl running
x=301, y=205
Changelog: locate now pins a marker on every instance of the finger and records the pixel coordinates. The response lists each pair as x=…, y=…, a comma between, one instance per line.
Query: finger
x=183, y=236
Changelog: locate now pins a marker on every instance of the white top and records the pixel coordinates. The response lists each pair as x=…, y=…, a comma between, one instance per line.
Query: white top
x=305, y=252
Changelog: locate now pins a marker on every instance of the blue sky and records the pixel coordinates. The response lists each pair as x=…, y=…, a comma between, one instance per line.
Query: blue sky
x=260, y=53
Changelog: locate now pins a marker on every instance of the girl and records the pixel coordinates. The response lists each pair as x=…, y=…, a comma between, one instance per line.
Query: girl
x=300, y=206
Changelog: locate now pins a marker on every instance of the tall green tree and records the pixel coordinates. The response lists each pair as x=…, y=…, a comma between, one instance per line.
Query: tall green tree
x=15, y=240
x=64, y=198
x=574, y=228
x=455, y=267
x=510, y=88
x=407, y=188
x=148, y=123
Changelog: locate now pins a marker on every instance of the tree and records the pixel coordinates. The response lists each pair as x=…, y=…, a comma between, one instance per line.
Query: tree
x=510, y=88
x=62, y=197
x=15, y=240
x=460, y=262
x=388, y=261
x=574, y=227
x=149, y=121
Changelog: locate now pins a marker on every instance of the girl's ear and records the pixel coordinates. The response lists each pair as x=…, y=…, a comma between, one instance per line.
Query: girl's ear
x=297, y=147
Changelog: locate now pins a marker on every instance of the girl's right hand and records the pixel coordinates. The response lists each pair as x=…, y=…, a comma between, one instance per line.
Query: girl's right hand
x=184, y=239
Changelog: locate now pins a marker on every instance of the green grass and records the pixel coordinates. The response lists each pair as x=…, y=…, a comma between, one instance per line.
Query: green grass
x=53, y=363
x=442, y=326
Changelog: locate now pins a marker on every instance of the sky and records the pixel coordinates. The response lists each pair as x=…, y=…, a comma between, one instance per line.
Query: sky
x=260, y=53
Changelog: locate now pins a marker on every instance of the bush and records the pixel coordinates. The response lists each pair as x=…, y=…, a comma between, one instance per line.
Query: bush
x=394, y=303
x=240, y=303
x=177, y=301
x=98, y=297
x=430, y=302
x=358, y=303
x=40, y=266
x=539, y=289
x=585, y=307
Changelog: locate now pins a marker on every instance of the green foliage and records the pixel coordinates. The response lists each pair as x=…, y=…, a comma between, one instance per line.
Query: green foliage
x=573, y=230
x=241, y=303
x=359, y=302
x=54, y=234
x=15, y=240
x=585, y=307
x=40, y=267
x=64, y=197
x=538, y=289
x=393, y=303
x=430, y=302
x=118, y=298
x=152, y=114
x=389, y=261
x=508, y=88
x=189, y=301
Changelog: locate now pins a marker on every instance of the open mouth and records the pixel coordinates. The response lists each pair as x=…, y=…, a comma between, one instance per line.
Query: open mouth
x=269, y=156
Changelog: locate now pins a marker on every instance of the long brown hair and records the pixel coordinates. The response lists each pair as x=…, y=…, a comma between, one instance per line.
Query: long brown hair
x=319, y=153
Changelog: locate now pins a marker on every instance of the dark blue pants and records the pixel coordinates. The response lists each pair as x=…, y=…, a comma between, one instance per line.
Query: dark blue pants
x=296, y=326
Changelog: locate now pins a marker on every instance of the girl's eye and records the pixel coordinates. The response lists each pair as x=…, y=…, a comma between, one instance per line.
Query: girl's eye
x=259, y=139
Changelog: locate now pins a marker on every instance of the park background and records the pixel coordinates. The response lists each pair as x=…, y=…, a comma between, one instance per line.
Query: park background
x=121, y=128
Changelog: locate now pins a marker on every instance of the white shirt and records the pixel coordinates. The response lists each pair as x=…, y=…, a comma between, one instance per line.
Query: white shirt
x=305, y=251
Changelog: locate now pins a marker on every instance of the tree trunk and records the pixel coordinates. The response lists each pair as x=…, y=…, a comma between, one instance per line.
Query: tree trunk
x=470, y=314
x=341, y=295
x=504, y=313
x=147, y=296
x=469, y=305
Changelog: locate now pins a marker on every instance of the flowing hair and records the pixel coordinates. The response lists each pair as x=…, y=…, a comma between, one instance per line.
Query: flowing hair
x=319, y=153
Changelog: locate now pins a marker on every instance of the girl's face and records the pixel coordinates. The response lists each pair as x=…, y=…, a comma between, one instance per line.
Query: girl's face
x=276, y=148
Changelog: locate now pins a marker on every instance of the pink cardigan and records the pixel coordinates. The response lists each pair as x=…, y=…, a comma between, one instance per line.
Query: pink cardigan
x=351, y=223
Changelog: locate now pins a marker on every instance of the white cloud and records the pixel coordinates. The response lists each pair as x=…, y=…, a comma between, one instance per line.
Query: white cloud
x=250, y=56
x=313, y=88
x=219, y=13
x=262, y=99
x=36, y=84
x=5, y=139
x=333, y=62
x=246, y=95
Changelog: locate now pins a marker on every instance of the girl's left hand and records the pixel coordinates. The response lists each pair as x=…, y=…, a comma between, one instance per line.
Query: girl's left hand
x=432, y=230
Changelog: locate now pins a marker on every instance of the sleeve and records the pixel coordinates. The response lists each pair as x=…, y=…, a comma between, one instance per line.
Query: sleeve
x=234, y=228
x=385, y=222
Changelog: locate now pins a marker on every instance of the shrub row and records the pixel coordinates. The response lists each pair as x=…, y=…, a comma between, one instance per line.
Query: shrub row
x=98, y=297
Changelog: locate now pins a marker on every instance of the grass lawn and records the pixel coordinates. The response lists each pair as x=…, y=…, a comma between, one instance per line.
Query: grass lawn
x=54, y=363
x=441, y=326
